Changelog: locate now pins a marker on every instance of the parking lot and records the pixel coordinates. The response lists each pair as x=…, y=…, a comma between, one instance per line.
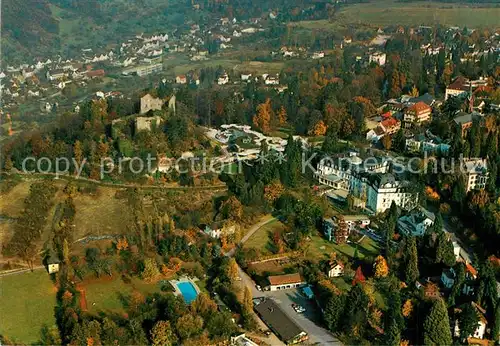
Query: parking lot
x=309, y=320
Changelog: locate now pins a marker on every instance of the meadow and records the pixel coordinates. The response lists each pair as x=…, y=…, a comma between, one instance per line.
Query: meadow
x=391, y=12
x=27, y=303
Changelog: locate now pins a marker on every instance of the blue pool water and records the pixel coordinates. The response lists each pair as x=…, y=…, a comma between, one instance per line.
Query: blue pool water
x=188, y=291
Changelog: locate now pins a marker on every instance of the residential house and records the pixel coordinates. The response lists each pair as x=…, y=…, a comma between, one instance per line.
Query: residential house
x=223, y=79
x=95, y=74
x=476, y=173
x=464, y=120
x=246, y=77
x=448, y=277
x=217, y=229
x=279, y=322
x=318, y=55
x=52, y=262
x=390, y=125
x=285, y=281
x=181, y=79
x=462, y=86
x=421, y=143
x=149, y=102
x=335, y=269
x=242, y=340
x=417, y=114
x=378, y=57
x=481, y=326
x=272, y=80
x=56, y=74
x=374, y=135
x=416, y=222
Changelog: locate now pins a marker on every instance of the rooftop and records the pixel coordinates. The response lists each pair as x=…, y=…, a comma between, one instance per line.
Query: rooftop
x=419, y=107
x=285, y=279
x=278, y=321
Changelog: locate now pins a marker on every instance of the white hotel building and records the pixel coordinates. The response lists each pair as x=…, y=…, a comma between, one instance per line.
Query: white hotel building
x=370, y=179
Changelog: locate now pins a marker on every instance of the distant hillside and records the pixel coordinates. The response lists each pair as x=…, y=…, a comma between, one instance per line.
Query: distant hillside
x=38, y=28
x=27, y=24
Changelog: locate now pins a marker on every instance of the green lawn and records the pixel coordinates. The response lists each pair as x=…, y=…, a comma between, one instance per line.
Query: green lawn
x=27, y=302
x=109, y=295
x=261, y=239
x=388, y=12
x=320, y=248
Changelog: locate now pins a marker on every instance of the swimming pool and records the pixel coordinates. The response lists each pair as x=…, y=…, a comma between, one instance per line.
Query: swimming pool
x=188, y=291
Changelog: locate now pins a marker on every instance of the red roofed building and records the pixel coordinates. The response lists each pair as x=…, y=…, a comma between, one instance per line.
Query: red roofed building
x=417, y=114
x=281, y=282
x=95, y=73
x=390, y=125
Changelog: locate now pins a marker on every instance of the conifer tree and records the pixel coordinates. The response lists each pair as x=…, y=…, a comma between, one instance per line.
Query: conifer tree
x=437, y=326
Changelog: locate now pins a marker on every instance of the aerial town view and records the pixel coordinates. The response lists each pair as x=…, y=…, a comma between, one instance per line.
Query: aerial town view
x=255, y=172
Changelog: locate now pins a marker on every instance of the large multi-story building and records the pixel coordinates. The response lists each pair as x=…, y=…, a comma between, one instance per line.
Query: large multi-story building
x=476, y=173
x=461, y=86
x=417, y=114
x=368, y=180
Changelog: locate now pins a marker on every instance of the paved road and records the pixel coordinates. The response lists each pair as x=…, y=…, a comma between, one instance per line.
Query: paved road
x=14, y=272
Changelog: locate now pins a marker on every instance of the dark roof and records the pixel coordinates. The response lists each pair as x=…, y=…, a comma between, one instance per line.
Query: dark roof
x=463, y=118
x=460, y=83
x=278, y=320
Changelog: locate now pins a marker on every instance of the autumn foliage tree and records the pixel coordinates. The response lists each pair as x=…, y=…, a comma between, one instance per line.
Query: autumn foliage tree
x=381, y=267
x=278, y=242
x=319, y=129
x=341, y=231
x=282, y=116
x=262, y=120
x=273, y=191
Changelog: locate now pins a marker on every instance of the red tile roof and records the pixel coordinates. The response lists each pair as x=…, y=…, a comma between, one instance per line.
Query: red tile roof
x=420, y=107
x=471, y=269
x=285, y=279
x=390, y=122
x=460, y=83
x=95, y=73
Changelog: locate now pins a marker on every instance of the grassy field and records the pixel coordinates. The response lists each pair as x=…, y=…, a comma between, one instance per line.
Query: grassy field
x=26, y=303
x=109, y=294
x=262, y=238
x=320, y=248
x=391, y=12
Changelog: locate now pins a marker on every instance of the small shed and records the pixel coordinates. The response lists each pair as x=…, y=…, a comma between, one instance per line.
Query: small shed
x=53, y=263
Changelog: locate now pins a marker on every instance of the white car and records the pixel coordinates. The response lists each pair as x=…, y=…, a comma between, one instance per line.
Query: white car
x=258, y=287
x=298, y=309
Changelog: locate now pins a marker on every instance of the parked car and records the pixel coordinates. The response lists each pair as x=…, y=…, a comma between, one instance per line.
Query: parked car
x=298, y=309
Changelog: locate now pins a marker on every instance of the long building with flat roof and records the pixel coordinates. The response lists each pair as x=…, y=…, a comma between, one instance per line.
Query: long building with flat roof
x=279, y=322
